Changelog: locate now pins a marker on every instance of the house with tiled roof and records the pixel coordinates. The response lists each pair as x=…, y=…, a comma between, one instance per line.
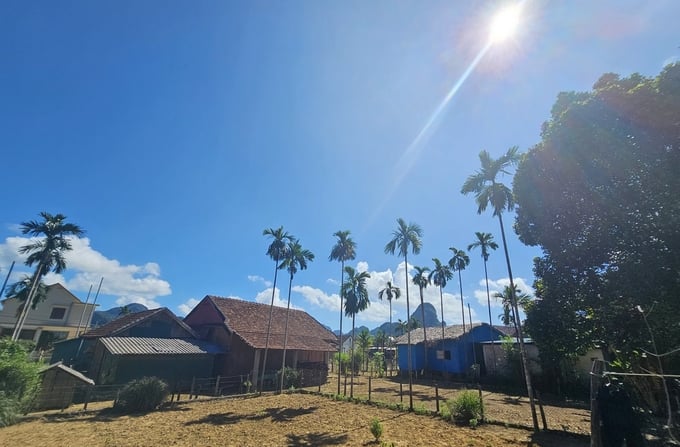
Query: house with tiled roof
x=240, y=327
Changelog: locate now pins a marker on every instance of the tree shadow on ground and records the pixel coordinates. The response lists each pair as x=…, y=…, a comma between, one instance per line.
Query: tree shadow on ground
x=217, y=419
x=287, y=414
x=549, y=438
x=315, y=439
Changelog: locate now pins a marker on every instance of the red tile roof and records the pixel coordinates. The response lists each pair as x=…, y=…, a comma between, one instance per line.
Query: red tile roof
x=249, y=321
x=127, y=321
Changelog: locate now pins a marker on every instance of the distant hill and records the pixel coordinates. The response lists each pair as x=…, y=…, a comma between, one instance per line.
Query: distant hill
x=430, y=318
x=102, y=317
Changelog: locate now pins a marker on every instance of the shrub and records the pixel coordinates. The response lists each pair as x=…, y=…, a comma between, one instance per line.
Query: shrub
x=141, y=395
x=291, y=378
x=465, y=406
x=19, y=380
x=376, y=429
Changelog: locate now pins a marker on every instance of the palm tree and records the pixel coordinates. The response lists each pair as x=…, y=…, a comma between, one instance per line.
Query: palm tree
x=459, y=261
x=295, y=259
x=390, y=293
x=365, y=340
x=485, y=242
x=356, y=294
x=421, y=280
x=47, y=252
x=276, y=251
x=343, y=250
x=20, y=289
x=488, y=190
x=403, y=237
x=439, y=276
x=508, y=316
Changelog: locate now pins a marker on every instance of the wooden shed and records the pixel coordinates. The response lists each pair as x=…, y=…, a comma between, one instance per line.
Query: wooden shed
x=59, y=383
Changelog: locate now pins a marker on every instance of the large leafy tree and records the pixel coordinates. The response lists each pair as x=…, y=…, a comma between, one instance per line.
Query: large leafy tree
x=404, y=237
x=46, y=251
x=421, y=280
x=440, y=275
x=488, y=190
x=295, y=259
x=343, y=250
x=356, y=300
x=485, y=243
x=390, y=292
x=276, y=251
x=365, y=339
x=599, y=195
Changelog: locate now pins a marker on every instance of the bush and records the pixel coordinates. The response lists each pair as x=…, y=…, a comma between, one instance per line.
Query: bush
x=291, y=378
x=19, y=380
x=376, y=429
x=465, y=407
x=141, y=395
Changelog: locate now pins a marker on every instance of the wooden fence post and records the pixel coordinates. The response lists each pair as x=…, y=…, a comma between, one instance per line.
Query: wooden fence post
x=401, y=392
x=87, y=396
x=595, y=378
x=436, y=396
x=481, y=400
x=193, y=387
x=369, y=388
x=217, y=385
x=540, y=407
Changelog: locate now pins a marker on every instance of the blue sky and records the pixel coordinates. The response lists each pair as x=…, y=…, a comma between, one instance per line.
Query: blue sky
x=175, y=132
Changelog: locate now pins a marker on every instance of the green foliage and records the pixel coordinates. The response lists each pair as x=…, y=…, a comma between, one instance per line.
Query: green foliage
x=376, y=429
x=141, y=395
x=598, y=194
x=378, y=363
x=291, y=377
x=19, y=380
x=466, y=406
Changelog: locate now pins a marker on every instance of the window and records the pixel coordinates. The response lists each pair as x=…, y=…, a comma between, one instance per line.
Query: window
x=58, y=313
x=443, y=355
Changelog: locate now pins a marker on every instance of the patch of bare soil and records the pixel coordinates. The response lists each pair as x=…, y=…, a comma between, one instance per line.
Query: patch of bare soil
x=499, y=407
x=268, y=420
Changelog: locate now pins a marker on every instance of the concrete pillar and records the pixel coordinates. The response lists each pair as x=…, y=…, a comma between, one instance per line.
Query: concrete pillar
x=256, y=367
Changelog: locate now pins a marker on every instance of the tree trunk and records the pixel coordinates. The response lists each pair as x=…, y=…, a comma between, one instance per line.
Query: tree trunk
x=269, y=325
x=522, y=351
x=285, y=336
x=488, y=302
x=422, y=313
x=342, y=280
x=408, y=339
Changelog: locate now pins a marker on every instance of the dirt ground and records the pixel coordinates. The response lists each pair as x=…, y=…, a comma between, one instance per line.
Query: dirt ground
x=268, y=420
x=501, y=408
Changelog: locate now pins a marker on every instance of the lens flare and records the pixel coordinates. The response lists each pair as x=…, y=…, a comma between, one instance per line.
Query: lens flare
x=504, y=23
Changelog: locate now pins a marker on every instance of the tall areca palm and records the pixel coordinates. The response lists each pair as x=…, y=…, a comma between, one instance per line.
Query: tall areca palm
x=421, y=280
x=404, y=237
x=488, y=190
x=485, y=242
x=459, y=261
x=343, y=250
x=439, y=276
x=508, y=316
x=295, y=258
x=47, y=252
x=276, y=251
x=390, y=292
x=356, y=300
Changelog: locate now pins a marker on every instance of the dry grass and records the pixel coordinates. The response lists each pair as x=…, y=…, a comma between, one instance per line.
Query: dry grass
x=269, y=420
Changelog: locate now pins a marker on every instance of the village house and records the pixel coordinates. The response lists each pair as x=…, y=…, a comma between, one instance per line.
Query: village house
x=61, y=316
x=240, y=328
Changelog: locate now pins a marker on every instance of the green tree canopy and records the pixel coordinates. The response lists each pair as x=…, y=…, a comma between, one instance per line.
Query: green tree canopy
x=599, y=195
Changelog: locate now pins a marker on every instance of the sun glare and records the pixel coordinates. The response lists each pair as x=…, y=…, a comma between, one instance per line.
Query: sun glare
x=504, y=23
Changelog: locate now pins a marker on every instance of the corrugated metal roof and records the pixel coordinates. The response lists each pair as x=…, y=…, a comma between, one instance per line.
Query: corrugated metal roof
x=434, y=334
x=158, y=346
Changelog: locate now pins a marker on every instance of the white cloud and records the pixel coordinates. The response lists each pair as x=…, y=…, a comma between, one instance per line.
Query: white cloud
x=259, y=279
x=86, y=266
x=187, y=306
x=319, y=298
x=498, y=285
x=265, y=297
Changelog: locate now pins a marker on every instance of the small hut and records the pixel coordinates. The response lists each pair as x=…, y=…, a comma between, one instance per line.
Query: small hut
x=59, y=383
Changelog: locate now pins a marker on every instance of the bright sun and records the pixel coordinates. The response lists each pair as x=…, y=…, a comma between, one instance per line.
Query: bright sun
x=504, y=23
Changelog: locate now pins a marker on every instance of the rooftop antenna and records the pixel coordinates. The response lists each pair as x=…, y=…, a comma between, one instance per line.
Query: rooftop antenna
x=82, y=315
x=6, y=279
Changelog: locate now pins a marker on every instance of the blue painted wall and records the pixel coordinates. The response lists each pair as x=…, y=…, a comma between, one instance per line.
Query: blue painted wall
x=461, y=352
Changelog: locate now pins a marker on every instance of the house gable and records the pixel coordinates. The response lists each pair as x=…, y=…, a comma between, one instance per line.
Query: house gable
x=159, y=323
